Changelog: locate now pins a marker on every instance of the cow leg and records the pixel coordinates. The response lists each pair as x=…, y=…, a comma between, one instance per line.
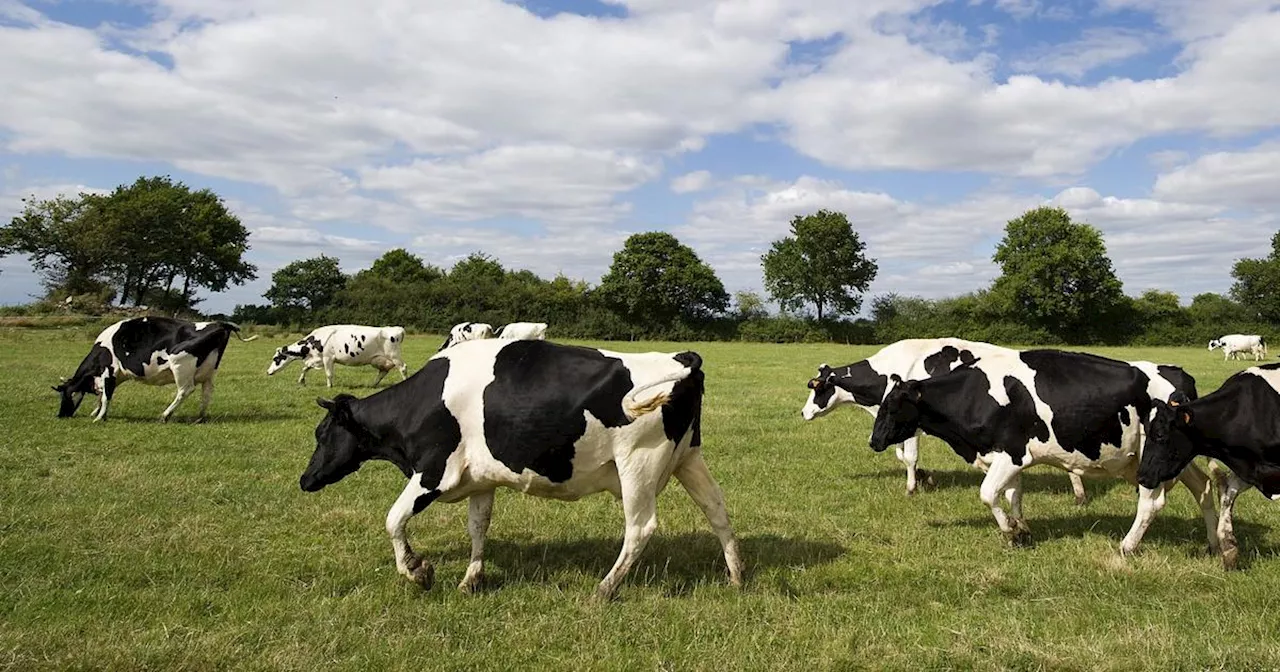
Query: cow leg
x=1013, y=495
x=909, y=454
x=702, y=487
x=1077, y=487
x=1150, y=501
x=479, y=511
x=639, y=508
x=302, y=379
x=1000, y=475
x=328, y=372
x=402, y=367
x=106, y=384
x=382, y=373
x=412, y=500
x=1230, y=486
x=1201, y=487
x=206, y=396
x=183, y=367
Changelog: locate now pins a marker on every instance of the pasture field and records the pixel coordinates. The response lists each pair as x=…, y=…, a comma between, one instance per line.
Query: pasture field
x=135, y=545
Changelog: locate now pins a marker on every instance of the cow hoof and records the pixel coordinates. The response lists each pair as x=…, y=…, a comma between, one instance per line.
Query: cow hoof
x=604, y=594
x=201, y=420
x=471, y=584
x=1020, y=537
x=164, y=418
x=424, y=575
x=926, y=477
x=1230, y=558
x=1081, y=500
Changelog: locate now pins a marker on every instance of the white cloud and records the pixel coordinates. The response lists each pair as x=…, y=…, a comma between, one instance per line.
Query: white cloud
x=698, y=180
x=1228, y=179
x=1095, y=48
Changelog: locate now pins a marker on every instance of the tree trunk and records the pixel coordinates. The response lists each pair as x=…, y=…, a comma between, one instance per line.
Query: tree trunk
x=819, y=311
x=124, y=291
x=168, y=286
x=186, y=288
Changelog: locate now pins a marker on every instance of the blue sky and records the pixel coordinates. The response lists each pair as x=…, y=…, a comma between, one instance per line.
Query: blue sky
x=544, y=132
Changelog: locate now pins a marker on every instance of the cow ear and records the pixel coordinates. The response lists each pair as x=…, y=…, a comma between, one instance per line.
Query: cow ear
x=814, y=383
x=59, y=388
x=326, y=404
x=1185, y=416
x=1178, y=398
x=895, y=378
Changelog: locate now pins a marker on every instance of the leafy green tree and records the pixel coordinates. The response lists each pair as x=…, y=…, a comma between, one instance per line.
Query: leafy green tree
x=1055, y=274
x=478, y=268
x=67, y=242
x=399, y=266
x=307, y=284
x=822, y=262
x=1257, y=285
x=749, y=306
x=654, y=279
x=169, y=231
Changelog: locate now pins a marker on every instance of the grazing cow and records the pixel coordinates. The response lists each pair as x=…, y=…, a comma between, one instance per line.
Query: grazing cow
x=548, y=420
x=466, y=331
x=1235, y=344
x=154, y=350
x=530, y=331
x=1074, y=411
x=866, y=382
x=1238, y=425
x=346, y=344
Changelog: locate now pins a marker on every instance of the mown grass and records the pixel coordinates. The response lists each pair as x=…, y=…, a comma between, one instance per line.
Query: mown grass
x=135, y=545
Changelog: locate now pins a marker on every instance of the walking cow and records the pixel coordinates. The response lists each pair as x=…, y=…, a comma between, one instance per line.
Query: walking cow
x=1074, y=411
x=1237, y=344
x=155, y=351
x=548, y=420
x=346, y=344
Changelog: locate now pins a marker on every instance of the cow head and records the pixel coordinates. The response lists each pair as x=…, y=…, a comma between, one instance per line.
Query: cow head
x=824, y=394
x=467, y=331
x=898, y=418
x=1169, y=447
x=287, y=353
x=342, y=445
x=71, y=393
x=1215, y=343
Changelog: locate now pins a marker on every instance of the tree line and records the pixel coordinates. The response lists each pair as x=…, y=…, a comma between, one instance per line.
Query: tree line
x=157, y=242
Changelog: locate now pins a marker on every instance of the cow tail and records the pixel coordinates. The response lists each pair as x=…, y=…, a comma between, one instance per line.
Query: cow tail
x=634, y=409
x=235, y=329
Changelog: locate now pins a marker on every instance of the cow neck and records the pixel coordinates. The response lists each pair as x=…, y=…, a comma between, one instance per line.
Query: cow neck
x=865, y=393
x=380, y=415
x=936, y=423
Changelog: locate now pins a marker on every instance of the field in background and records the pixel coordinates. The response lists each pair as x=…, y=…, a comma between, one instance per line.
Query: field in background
x=136, y=545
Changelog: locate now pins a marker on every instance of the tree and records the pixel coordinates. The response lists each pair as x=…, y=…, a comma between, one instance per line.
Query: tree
x=399, y=266
x=1257, y=285
x=1055, y=274
x=822, y=262
x=171, y=232
x=749, y=306
x=67, y=242
x=306, y=284
x=478, y=268
x=654, y=279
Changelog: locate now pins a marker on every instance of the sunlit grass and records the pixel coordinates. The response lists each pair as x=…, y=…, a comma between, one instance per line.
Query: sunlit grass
x=136, y=545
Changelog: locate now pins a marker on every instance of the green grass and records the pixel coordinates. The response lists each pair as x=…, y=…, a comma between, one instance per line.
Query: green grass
x=135, y=545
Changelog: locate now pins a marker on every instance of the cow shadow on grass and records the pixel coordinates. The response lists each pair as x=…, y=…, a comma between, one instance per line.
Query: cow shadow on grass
x=232, y=418
x=674, y=563
x=1166, y=529
x=1041, y=480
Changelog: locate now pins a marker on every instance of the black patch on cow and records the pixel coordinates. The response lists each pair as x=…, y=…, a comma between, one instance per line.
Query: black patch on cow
x=498, y=332
x=423, y=501
x=1180, y=379
x=212, y=339
x=94, y=363
x=685, y=407
x=1086, y=394
x=940, y=362
x=161, y=361
x=858, y=379
x=533, y=409
x=345, y=349
x=1124, y=417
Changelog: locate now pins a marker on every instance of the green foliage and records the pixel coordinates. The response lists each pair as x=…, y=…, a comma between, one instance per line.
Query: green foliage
x=1257, y=283
x=657, y=281
x=1056, y=275
x=749, y=306
x=399, y=266
x=822, y=262
x=307, y=284
x=66, y=239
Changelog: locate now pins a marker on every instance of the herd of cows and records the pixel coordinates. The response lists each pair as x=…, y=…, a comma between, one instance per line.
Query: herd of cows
x=508, y=408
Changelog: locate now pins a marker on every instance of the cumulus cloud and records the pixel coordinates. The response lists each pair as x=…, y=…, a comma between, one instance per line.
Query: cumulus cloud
x=691, y=182
x=1245, y=179
x=1095, y=48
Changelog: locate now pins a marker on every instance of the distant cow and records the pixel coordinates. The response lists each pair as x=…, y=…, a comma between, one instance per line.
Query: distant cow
x=1238, y=425
x=866, y=382
x=549, y=420
x=154, y=350
x=1074, y=411
x=346, y=344
x=1235, y=344
x=466, y=331
x=517, y=331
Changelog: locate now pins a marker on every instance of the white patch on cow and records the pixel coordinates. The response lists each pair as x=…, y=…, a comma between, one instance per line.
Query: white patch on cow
x=1272, y=376
x=526, y=331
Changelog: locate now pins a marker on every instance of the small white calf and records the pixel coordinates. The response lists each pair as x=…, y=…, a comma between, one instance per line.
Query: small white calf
x=1235, y=344
x=346, y=344
x=523, y=331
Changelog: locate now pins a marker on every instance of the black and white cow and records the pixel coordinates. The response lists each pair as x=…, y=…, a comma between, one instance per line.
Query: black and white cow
x=466, y=331
x=548, y=420
x=155, y=351
x=1075, y=411
x=346, y=344
x=1237, y=344
x=1238, y=425
x=866, y=382
x=522, y=331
